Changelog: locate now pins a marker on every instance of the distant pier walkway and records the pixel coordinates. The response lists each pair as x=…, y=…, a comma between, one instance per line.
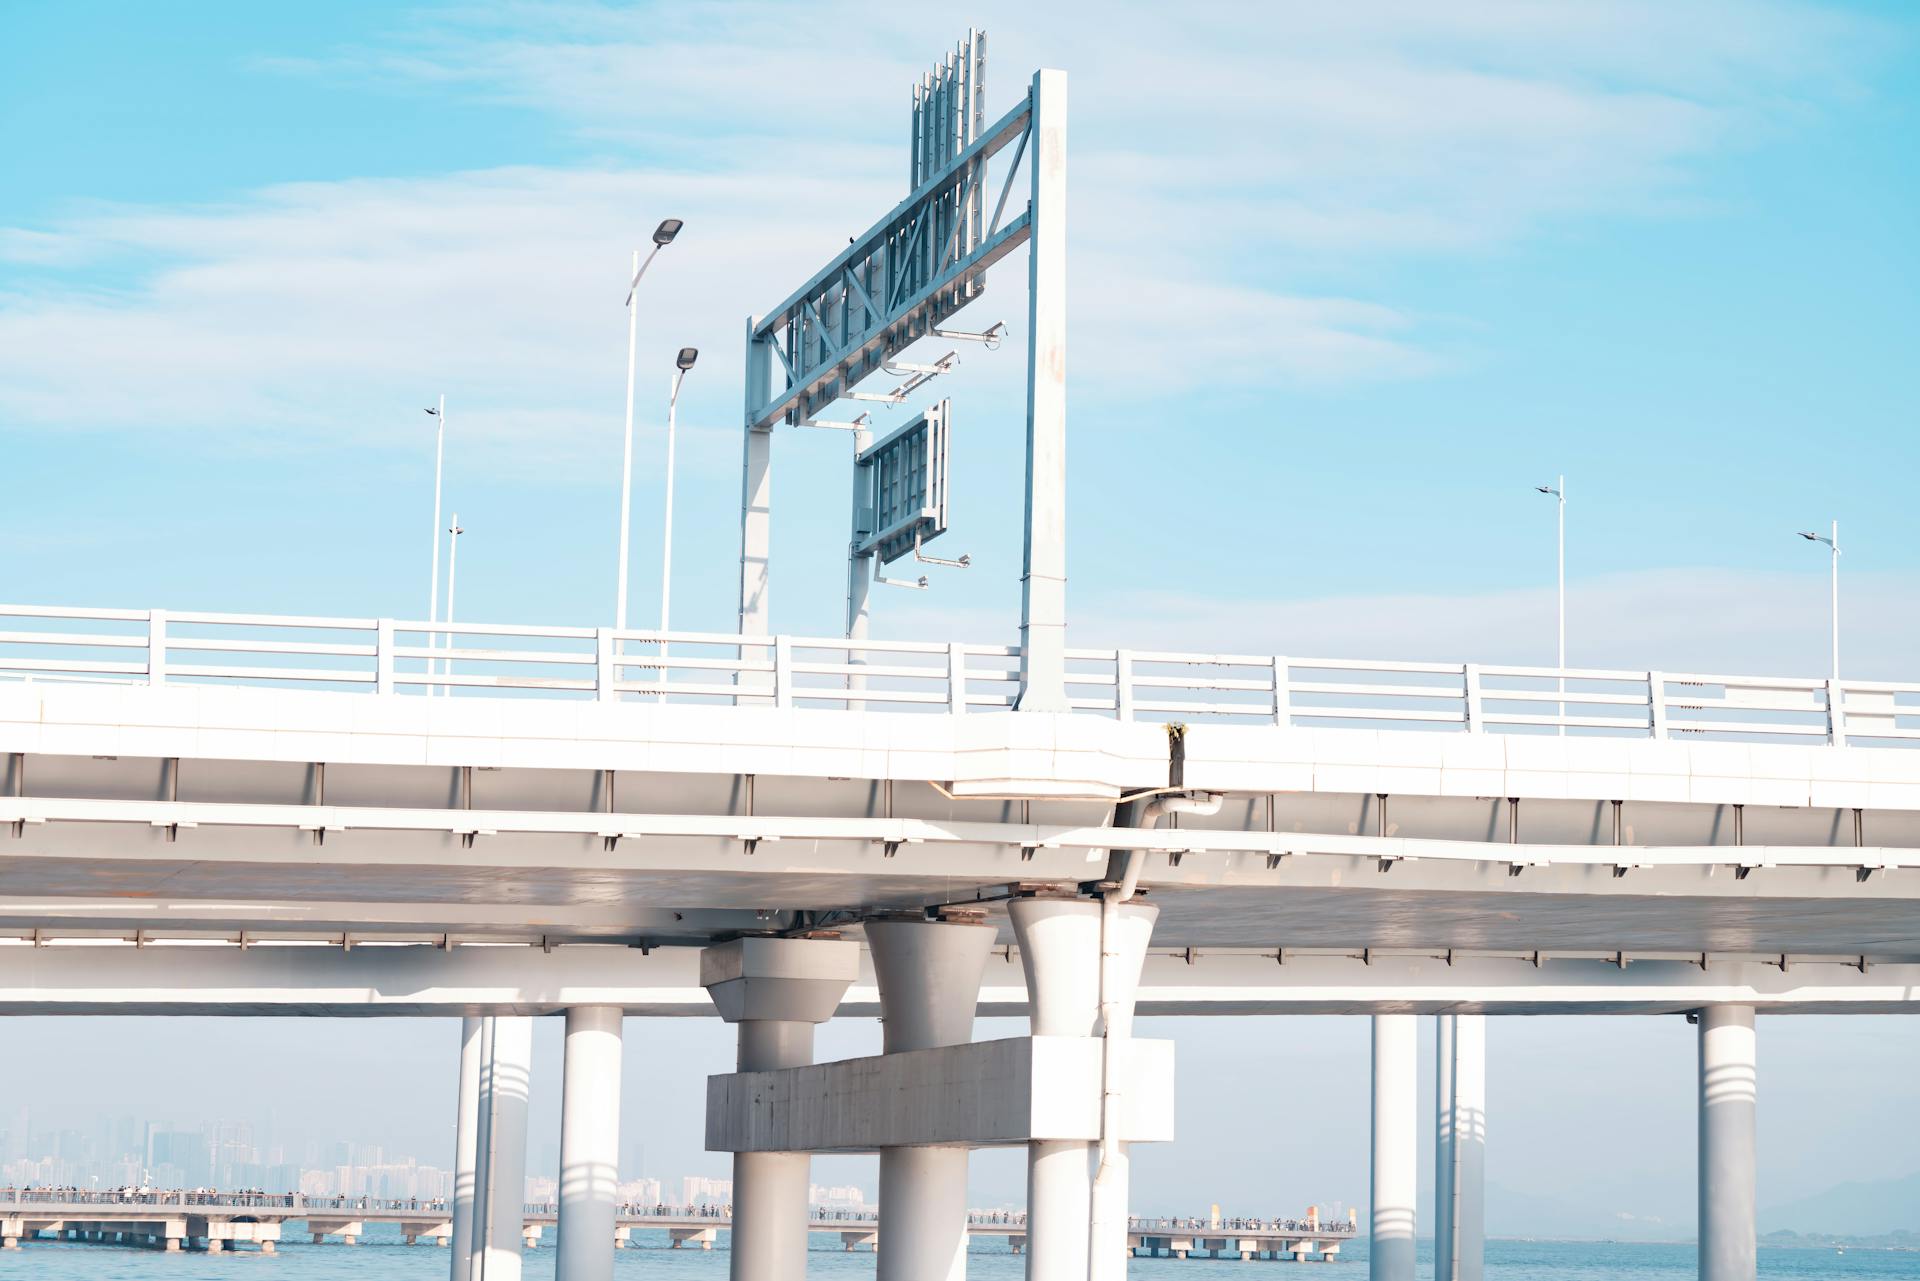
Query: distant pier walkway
x=219, y=1221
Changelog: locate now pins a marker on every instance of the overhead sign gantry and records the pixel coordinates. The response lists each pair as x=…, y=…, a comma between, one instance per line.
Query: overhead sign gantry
x=898, y=283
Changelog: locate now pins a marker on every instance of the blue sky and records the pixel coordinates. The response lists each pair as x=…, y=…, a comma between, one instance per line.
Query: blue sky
x=1346, y=282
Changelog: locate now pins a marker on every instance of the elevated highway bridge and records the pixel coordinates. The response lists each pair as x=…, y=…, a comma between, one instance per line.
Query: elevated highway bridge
x=248, y=815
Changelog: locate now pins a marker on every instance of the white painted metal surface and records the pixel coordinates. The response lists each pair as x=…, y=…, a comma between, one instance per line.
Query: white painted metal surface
x=465, y=1149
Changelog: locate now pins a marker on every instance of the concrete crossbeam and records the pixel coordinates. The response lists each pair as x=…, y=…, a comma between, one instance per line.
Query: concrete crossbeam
x=982, y=1094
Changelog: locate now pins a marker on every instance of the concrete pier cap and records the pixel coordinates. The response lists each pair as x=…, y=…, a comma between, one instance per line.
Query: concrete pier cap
x=784, y=980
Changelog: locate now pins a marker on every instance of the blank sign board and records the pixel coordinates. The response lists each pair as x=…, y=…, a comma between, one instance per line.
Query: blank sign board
x=900, y=483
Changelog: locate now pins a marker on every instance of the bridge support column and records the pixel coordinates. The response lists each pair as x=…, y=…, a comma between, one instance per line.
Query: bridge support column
x=589, y=1143
x=1060, y=952
x=1728, y=1099
x=501, y=1148
x=1077, y=1219
x=1460, y=1145
x=776, y=990
x=1443, y=1226
x=929, y=974
x=1395, y=1146
x=465, y=1147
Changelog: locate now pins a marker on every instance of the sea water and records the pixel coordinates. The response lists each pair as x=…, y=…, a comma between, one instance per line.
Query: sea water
x=383, y=1256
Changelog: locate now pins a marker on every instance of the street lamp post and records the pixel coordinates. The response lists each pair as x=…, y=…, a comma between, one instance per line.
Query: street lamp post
x=681, y=364
x=453, y=560
x=1833, y=543
x=1558, y=491
x=439, y=416
x=662, y=237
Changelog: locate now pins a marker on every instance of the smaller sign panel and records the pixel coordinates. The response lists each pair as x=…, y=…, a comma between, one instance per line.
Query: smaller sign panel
x=900, y=482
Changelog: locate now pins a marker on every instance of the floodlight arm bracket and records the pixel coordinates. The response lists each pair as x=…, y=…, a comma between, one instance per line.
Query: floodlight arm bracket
x=964, y=562
x=919, y=584
x=992, y=335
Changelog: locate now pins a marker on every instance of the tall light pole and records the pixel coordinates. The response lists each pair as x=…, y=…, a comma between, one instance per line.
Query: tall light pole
x=1558, y=491
x=439, y=416
x=681, y=364
x=1833, y=542
x=453, y=560
x=662, y=237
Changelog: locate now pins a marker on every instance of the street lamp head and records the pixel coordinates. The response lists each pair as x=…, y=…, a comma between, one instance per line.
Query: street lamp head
x=684, y=361
x=1545, y=489
x=431, y=410
x=1810, y=536
x=667, y=230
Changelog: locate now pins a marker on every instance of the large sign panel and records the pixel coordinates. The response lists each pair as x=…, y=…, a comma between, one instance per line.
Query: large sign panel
x=902, y=483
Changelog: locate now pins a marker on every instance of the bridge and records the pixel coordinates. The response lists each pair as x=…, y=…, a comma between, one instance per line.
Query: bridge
x=249, y=815
x=221, y=1221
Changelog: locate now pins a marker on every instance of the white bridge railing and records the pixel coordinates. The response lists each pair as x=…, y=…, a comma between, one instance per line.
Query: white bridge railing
x=153, y=647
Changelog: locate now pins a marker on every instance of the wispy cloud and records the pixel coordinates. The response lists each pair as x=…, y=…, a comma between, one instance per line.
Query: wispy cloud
x=1221, y=158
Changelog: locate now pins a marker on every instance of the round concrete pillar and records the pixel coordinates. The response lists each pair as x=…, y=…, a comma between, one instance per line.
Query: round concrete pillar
x=1469, y=1146
x=1443, y=1242
x=775, y=990
x=1729, y=1097
x=498, y=1209
x=465, y=1145
x=1060, y=952
x=1396, y=1042
x=929, y=975
x=589, y=1143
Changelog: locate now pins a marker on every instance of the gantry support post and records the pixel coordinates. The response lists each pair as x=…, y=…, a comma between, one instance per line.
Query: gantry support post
x=1728, y=1150
x=756, y=490
x=499, y=1212
x=1043, y=584
x=589, y=1143
x=465, y=1145
x=929, y=975
x=1395, y=1146
x=776, y=990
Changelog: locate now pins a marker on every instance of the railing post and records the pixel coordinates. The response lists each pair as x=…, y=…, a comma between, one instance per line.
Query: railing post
x=783, y=672
x=957, y=678
x=383, y=656
x=156, y=647
x=1657, y=703
x=1474, y=711
x=1282, y=692
x=1123, y=684
x=604, y=677
x=1836, y=714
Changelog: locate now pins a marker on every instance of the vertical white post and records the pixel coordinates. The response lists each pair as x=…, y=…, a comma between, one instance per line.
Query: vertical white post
x=1836, y=600
x=156, y=647
x=1728, y=1150
x=1043, y=595
x=666, y=532
x=626, y=456
x=589, y=1143
x=1395, y=1146
x=1560, y=683
x=756, y=491
x=860, y=569
x=1125, y=930
x=383, y=656
x=1443, y=1225
x=500, y=1213
x=929, y=976
x=453, y=560
x=483, y=1150
x=439, y=458
x=465, y=1147
x=1468, y=1183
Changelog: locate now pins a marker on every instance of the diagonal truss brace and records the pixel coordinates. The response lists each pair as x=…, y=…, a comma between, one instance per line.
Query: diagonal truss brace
x=893, y=284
